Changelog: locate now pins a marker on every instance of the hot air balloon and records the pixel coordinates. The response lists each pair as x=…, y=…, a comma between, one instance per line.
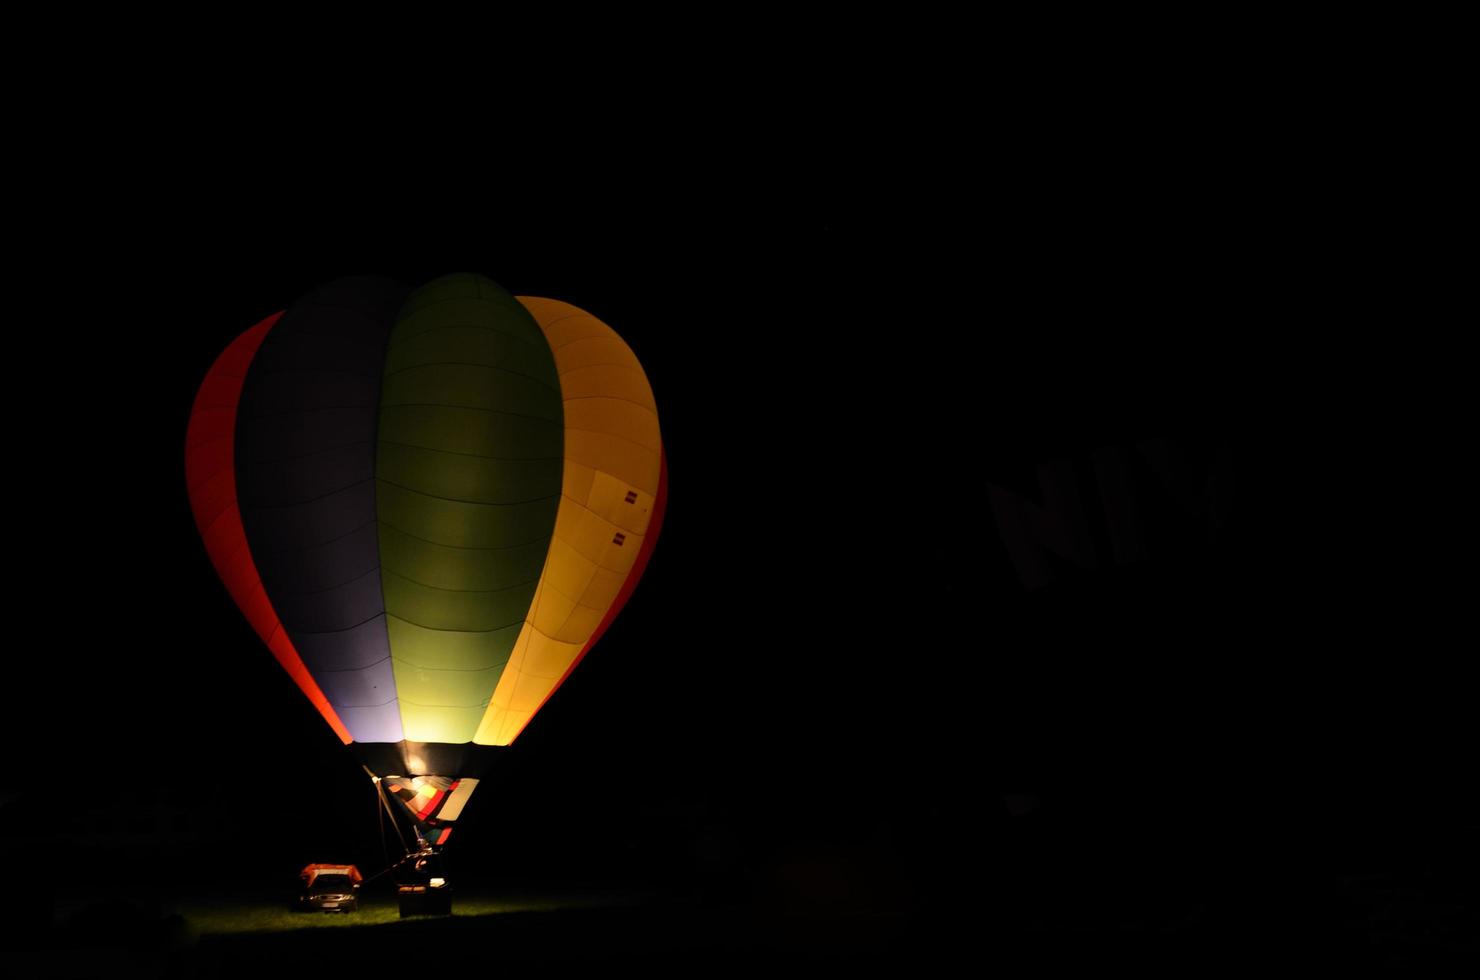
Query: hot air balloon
x=429, y=503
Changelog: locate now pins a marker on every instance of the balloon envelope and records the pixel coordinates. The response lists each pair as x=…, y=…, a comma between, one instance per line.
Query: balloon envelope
x=429, y=504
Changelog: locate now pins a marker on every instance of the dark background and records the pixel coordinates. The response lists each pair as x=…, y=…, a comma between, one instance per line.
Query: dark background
x=830, y=675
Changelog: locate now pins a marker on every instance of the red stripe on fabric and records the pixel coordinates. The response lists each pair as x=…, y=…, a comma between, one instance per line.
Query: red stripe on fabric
x=431, y=806
x=210, y=478
x=655, y=526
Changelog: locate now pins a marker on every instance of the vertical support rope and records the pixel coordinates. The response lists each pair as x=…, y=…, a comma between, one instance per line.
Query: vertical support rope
x=380, y=792
x=385, y=851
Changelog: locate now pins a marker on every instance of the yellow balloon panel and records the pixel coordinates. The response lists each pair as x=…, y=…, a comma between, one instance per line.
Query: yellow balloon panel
x=613, y=453
x=602, y=591
x=614, y=417
x=564, y=324
x=618, y=504
x=577, y=482
x=594, y=351
x=604, y=381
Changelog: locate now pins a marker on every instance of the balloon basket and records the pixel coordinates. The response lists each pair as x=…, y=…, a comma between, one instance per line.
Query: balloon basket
x=425, y=900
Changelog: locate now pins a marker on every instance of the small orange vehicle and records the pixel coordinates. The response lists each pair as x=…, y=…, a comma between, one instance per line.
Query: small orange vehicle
x=330, y=888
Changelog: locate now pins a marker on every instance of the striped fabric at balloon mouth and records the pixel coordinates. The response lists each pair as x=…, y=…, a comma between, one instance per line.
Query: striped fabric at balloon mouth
x=435, y=802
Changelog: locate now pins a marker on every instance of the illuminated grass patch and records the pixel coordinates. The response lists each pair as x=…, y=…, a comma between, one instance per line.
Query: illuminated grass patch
x=220, y=917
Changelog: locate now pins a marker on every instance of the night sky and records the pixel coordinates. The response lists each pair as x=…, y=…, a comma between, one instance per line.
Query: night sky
x=831, y=657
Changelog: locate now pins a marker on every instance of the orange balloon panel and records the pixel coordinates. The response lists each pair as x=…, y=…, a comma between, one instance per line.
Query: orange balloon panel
x=612, y=492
